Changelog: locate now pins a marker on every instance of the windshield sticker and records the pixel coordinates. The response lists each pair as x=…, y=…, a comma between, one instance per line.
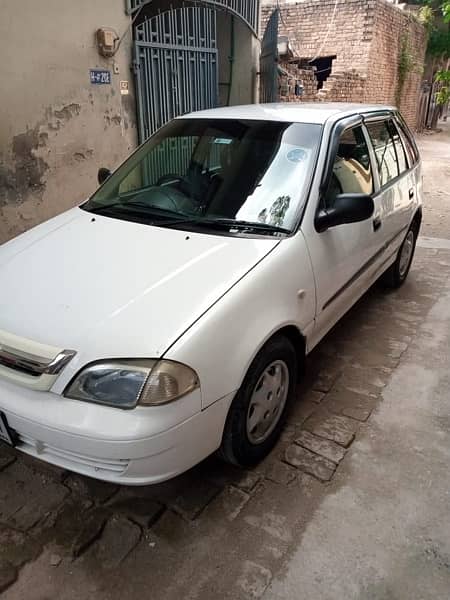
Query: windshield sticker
x=296, y=155
x=223, y=141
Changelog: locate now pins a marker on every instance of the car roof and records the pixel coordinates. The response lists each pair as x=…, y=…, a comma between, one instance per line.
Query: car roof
x=297, y=112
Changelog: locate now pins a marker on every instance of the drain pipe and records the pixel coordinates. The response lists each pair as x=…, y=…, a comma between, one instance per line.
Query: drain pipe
x=231, y=60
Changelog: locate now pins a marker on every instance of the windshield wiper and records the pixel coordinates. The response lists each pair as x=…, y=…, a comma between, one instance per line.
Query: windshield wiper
x=148, y=209
x=223, y=223
x=242, y=225
x=177, y=218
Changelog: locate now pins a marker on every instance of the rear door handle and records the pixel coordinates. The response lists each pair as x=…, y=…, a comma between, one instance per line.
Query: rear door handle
x=411, y=193
x=376, y=223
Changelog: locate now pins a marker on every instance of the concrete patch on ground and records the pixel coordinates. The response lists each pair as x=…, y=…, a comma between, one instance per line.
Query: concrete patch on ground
x=254, y=579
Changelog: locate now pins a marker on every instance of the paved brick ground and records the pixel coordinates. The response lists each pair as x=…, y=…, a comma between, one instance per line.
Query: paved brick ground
x=216, y=531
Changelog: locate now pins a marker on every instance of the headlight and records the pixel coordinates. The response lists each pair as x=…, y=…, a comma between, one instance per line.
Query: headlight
x=126, y=383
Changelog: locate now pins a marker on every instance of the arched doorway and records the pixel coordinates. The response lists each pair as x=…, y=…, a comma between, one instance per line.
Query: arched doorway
x=190, y=56
x=247, y=10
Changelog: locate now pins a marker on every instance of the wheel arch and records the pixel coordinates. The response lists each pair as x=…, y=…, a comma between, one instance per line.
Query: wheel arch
x=417, y=219
x=293, y=334
x=297, y=339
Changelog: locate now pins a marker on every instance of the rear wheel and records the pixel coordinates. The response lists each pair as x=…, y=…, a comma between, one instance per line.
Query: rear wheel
x=395, y=276
x=258, y=411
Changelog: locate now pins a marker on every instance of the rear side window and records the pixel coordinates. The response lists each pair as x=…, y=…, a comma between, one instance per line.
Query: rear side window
x=352, y=171
x=399, y=148
x=411, y=149
x=384, y=150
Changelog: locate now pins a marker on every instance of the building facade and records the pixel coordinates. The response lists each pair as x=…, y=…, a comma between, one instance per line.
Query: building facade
x=56, y=127
x=351, y=50
x=84, y=82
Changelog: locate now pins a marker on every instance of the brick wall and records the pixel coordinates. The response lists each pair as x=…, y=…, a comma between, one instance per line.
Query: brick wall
x=347, y=86
x=295, y=75
x=306, y=23
x=366, y=37
x=392, y=29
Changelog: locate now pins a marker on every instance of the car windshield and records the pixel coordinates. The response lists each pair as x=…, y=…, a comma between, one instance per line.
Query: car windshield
x=239, y=176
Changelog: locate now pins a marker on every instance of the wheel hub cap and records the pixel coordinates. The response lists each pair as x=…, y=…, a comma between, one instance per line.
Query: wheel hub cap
x=267, y=402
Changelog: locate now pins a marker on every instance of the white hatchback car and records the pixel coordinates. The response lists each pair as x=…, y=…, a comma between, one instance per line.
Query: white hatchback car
x=166, y=317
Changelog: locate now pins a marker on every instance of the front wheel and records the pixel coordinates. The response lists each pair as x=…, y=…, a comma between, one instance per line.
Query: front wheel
x=395, y=276
x=258, y=411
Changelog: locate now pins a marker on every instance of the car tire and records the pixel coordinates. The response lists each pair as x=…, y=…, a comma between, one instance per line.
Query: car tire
x=258, y=411
x=397, y=273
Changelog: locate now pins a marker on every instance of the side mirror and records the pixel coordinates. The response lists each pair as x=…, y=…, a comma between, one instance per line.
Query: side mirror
x=103, y=175
x=347, y=208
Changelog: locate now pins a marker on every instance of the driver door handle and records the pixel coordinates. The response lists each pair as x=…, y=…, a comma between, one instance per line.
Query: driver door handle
x=376, y=223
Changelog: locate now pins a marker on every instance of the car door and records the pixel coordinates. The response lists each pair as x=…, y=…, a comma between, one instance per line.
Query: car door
x=388, y=194
x=409, y=168
x=397, y=188
x=344, y=257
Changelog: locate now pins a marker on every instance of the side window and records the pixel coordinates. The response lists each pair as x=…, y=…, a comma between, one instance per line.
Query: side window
x=399, y=148
x=352, y=171
x=384, y=150
x=411, y=151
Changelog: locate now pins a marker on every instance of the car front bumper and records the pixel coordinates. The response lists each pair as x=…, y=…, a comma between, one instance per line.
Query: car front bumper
x=137, y=447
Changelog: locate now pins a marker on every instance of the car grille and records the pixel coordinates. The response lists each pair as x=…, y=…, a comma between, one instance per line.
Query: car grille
x=29, y=363
x=71, y=460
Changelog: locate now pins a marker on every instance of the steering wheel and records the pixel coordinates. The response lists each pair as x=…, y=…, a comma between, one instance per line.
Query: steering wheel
x=168, y=178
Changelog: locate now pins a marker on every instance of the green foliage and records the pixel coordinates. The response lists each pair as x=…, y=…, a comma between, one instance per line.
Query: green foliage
x=426, y=17
x=439, y=43
x=443, y=76
x=443, y=95
x=438, y=38
x=405, y=65
x=446, y=11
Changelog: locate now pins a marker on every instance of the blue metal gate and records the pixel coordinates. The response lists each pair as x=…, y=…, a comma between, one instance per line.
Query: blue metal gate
x=176, y=66
x=269, y=60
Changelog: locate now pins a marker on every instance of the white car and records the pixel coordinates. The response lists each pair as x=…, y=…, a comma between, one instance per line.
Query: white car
x=165, y=318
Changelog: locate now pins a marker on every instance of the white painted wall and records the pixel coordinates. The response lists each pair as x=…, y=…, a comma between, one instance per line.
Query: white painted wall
x=245, y=65
x=56, y=128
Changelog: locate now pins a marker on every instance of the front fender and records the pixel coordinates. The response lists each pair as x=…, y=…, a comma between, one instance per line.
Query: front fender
x=277, y=292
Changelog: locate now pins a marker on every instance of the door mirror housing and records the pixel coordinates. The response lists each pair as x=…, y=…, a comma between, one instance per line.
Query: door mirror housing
x=103, y=174
x=347, y=208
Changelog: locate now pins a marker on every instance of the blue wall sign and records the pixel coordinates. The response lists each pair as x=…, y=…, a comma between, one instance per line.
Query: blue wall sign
x=100, y=76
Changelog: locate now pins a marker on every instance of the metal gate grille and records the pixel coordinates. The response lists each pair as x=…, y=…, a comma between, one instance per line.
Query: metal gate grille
x=176, y=66
x=269, y=60
x=248, y=10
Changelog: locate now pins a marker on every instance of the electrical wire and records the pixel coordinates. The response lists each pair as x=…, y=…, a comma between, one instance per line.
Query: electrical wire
x=286, y=27
x=121, y=38
x=296, y=51
x=324, y=41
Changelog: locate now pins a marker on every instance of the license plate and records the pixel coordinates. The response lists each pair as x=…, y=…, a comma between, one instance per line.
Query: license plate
x=5, y=433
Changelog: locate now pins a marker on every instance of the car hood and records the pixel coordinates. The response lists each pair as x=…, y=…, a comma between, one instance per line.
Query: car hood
x=111, y=288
